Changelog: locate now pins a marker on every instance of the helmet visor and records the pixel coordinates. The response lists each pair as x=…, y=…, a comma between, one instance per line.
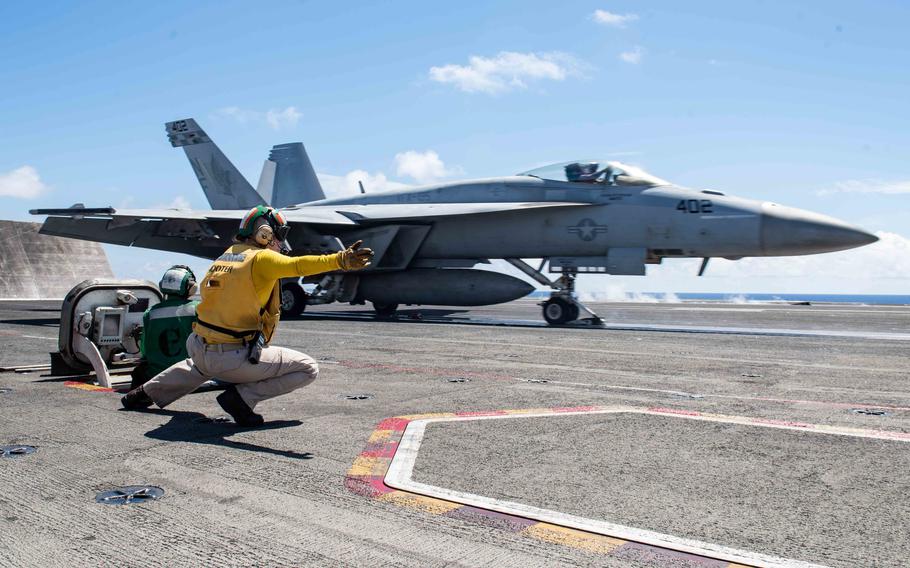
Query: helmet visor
x=281, y=232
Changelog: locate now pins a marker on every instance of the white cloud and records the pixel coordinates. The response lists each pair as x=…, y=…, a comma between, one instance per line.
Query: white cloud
x=22, y=182
x=424, y=167
x=277, y=119
x=634, y=56
x=887, y=259
x=611, y=19
x=867, y=186
x=346, y=185
x=238, y=114
x=179, y=202
x=506, y=71
x=880, y=268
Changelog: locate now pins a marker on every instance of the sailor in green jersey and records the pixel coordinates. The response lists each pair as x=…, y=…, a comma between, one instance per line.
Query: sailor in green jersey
x=167, y=325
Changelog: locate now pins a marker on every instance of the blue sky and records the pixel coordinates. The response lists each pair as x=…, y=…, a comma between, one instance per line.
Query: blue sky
x=799, y=103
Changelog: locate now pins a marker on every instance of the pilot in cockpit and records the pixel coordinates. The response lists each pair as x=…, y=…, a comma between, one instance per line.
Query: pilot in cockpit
x=585, y=172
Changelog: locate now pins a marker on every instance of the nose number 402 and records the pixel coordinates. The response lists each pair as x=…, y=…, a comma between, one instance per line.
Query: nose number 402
x=695, y=206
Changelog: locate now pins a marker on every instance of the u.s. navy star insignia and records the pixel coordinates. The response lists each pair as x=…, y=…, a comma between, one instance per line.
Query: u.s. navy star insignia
x=587, y=229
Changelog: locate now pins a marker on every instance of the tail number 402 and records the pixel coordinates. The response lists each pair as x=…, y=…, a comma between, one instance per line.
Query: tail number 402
x=695, y=206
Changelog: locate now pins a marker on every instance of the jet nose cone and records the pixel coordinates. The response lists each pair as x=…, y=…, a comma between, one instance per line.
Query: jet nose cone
x=790, y=231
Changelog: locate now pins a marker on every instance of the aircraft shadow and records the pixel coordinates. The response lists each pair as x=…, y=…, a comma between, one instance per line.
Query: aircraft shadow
x=401, y=315
x=440, y=317
x=195, y=427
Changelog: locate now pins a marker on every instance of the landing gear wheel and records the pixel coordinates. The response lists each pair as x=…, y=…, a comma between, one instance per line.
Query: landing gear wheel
x=559, y=310
x=385, y=310
x=293, y=300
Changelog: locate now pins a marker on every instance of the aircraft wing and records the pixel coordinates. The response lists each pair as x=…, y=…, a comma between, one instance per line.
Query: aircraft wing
x=320, y=215
x=208, y=233
x=199, y=233
x=396, y=211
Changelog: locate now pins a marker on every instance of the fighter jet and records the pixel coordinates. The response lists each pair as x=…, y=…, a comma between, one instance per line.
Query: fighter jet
x=597, y=216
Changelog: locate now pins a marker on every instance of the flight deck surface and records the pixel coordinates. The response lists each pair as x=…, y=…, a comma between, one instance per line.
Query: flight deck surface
x=776, y=430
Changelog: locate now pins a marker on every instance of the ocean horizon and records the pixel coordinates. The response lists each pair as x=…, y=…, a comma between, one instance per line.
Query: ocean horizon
x=739, y=297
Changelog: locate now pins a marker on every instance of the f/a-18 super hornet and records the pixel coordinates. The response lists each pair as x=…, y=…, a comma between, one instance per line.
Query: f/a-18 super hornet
x=582, y=216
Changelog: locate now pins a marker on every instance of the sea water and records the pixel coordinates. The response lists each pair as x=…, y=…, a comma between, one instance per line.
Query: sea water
x=740, y=298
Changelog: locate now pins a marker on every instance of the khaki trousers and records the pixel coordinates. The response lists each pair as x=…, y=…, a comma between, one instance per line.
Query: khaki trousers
x=278, y=372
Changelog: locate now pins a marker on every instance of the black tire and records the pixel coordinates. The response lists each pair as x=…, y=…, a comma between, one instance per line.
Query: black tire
x=385, y=310
x=293, y=300
x=558, y=311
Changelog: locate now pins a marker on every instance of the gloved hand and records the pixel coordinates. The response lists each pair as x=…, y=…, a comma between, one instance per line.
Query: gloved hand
x=354, y=257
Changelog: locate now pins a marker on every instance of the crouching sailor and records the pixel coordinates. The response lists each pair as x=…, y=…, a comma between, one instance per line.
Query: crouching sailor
x=236, y=320
x=167, y=325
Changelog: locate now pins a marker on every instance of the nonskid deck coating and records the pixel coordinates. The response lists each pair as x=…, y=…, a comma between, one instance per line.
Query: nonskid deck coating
x=240, y=496
x=385, y=471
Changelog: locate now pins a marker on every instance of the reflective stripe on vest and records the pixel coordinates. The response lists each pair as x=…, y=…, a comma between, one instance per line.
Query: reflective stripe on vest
x=186, y=310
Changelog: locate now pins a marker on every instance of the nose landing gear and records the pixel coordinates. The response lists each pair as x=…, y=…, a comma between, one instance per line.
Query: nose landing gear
x=563, y=306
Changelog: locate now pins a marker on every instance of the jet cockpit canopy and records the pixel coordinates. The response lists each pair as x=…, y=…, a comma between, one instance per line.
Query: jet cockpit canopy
x=605, y=172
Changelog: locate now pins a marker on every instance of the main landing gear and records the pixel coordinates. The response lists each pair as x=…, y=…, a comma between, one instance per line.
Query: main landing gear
x=293, y=299
x=562, y=307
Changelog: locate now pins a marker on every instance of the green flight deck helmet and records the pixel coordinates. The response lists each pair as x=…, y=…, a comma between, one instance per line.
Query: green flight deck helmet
x=178, y=281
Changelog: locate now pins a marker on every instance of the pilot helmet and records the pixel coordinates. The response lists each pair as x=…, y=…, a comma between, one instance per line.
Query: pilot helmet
x=576, y=170
x=178, y=281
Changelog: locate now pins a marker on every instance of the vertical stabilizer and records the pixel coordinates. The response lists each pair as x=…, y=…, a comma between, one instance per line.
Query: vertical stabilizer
x=288, y=177
x=224, y=186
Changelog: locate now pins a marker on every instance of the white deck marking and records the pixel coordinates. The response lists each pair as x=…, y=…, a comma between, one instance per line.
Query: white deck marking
x=401, y=470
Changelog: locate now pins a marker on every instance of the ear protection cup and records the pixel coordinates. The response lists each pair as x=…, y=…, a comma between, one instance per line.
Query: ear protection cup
x=264, y=235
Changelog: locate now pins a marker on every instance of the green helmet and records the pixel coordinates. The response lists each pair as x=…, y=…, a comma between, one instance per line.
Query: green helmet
x=274, y=217
x=178, y=280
